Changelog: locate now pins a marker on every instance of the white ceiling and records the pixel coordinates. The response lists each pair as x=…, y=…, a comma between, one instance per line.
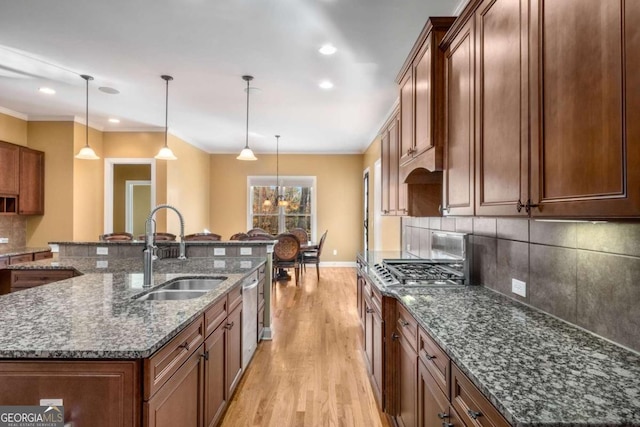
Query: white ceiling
x=207, y=45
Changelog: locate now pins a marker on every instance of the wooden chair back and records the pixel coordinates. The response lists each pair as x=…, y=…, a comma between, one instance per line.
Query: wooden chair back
x=301, y=234
x=120, y=236
x=287, y=247
x=202, y=237
x=239, y=236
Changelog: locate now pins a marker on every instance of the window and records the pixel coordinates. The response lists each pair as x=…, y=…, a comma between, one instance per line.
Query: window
x=299, y=212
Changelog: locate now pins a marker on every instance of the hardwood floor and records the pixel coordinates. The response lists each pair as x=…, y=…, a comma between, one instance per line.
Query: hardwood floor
x=313, y=372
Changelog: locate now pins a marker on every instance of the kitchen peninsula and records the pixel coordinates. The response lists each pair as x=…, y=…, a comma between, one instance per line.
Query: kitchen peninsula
x=116, y=360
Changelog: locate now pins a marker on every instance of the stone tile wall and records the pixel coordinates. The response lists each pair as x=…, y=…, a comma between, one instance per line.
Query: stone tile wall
x=15, y=228
x=587, y=274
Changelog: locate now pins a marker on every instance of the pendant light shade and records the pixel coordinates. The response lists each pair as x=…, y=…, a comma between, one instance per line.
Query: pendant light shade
x=165, y=152
x=86, y=152
x=246, y=153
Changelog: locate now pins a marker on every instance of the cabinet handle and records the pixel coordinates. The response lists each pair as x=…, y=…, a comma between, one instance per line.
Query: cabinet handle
x=370, y=310
x=447, y=425
x=474, y=414
x=448, y=209
x=205, y=355
x=443, y=415
x=185, y=346
x=527, y=206
x=440, y=209
x=403, y=323
x=395, y=336
x=229, y=325
x=428, y=356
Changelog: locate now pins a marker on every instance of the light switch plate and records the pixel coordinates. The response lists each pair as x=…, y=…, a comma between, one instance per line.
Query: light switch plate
x=245, y=251
x=4, y=240
x=519, y=287
x=219, y=251
x=101, y=250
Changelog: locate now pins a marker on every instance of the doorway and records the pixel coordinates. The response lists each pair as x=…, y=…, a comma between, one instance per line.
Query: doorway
x=365, y=222
x=126, y=208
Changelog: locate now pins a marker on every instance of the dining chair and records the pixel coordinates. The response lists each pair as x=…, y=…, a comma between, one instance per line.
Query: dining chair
x=160, y=237
x=117, y=237
x=238, y=236
x=313, y=256
x=286, y=254
x=257, y=230
x=259, y=237
x=202, y=237
x=301, y=234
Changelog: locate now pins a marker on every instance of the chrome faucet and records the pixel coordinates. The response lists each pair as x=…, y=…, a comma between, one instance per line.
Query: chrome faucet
x=150, y=247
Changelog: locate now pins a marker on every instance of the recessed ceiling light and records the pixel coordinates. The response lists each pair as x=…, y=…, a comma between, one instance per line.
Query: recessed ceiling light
x=109, y=90
x=328, y=49
x=326, y=84
x=47, y=90
x=114, y=120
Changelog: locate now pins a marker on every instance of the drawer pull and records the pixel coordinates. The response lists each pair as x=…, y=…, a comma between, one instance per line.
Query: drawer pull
x=447, y=425
x=205, y=355
x=474, y=414
x=229, y=325
x=370, y=310
x=443, y=415
x=403, y=323
x=185, y=346
x=428, y=356
x=395, y=336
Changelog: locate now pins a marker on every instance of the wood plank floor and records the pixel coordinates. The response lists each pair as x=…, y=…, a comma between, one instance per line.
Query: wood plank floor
x=313, y=372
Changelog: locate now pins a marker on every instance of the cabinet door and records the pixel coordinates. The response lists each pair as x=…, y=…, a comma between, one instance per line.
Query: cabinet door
x=585, y=133
x=378, y=359
x=433, y=405
x=408, y=372
x=459, y=153
x=406, y=118
x=502, y=114
x=31, y=198
x=368, y=333
x=385, y=156
x=423, y=98
x=394, y=183
x=215, y=391
x=9, y=172
x=234, y=349
x=178, y=403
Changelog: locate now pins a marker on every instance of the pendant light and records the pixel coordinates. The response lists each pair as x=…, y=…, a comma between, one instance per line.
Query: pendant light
x=165, y=152
x=246, y=153
x=279, y=197
x=86, y=152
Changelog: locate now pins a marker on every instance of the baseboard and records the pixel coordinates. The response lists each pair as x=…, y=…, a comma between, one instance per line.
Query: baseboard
x=337, y=264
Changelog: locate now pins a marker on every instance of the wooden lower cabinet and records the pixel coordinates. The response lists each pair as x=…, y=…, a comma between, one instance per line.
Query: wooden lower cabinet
x=474, y=409
x=433, y=406
x=96, y=394
x=215, y=391
x=408, y=361
x=178, y=402
x=374, y=347
x=234, y=349
x=17, y=280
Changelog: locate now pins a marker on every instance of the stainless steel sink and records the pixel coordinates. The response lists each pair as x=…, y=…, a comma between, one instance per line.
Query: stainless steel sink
x=195, y=284
x=168, y=294
x=181, y=289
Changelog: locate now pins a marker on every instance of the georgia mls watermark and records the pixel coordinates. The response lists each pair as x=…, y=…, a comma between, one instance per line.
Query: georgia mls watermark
x=31, y=416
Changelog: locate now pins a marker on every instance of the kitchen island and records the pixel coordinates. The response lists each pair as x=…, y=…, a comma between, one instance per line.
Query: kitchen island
x=116, y=360
x=535, y=370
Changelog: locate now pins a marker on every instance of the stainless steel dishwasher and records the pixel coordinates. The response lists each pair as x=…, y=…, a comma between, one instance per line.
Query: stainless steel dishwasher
x=249, y=317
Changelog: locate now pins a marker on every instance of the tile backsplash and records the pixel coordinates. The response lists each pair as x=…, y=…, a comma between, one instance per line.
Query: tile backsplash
x=587, y=274
x=14, y=227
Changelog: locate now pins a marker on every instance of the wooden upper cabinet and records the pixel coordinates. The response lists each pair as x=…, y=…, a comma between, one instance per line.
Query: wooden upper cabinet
x=406, y=118
x=422, y=103
x=459, y=153
x=394, y=192
x=31, y=200
x=385, y=167
x=502, y=114
x=9, y=172
x=585, y=98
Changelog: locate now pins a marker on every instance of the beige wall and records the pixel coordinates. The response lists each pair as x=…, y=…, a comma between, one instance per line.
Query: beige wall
x=88, y=187
x=13, y=130
x=122, y=174
x=390, y=226
x=339, y=196
x=56, y=139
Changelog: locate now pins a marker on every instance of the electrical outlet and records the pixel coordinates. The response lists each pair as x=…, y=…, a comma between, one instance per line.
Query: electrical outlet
x=335, y=252
x=4, y=240
x=519, y=287
x=219, y=251
x=51, y=402
x=101, y=250
x=245, y=251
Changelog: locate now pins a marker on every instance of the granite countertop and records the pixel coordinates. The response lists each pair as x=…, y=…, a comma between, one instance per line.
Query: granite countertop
x=537, y=370
x=95, y=315
x=22, y=251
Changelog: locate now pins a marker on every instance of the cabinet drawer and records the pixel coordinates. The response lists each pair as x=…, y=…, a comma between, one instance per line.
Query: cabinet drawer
x=435, y=360
x=234, y=297
x=262, y=270
x=376, y=299
x=16, y=259
x=42, y=255
x=473, y=408
x=407, y=326
x=30, y=278
x=166, y=361
x=214, y=316
x=261, y=293
x=4, y=261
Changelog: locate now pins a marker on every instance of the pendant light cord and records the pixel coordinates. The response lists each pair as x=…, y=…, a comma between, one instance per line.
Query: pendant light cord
x=86, y=78
x=246, y=143
x=166, y=113
x=277, y=167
